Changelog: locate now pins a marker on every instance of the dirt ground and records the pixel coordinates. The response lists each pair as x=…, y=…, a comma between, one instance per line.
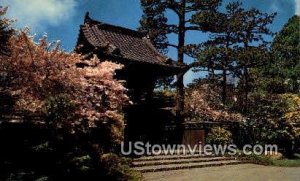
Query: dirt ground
x=244, y=172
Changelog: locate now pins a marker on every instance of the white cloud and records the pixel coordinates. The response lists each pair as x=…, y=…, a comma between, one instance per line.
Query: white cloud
x=297, y=2
x=38, y=13
x=276, y=5
x=189, y=77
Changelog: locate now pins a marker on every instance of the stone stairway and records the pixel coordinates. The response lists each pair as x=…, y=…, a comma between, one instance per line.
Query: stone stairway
x=177, y=162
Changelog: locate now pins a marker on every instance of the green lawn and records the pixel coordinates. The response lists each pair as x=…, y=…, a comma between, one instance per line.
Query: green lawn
x=284, y=162
x=292, y=162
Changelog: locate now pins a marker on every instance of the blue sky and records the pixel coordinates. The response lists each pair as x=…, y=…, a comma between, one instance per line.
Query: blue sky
x=61, y=19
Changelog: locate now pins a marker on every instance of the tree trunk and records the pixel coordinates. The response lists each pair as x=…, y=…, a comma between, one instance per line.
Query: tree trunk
x=180, y=95
x=246, y=86
x=246, y=90
x=295, y=86
x=224, y=87
x=180, y=59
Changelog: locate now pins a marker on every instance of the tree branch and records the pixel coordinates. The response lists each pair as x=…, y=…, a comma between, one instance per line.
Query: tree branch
x=192, y=65
x=192, y=28
x=172, y=28
x=171, y=4
x=171, y=45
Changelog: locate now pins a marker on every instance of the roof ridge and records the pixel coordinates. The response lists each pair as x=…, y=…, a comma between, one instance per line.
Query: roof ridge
x=122, y=42
x=111, y=27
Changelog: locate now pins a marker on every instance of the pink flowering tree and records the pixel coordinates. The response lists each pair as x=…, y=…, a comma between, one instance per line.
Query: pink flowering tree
x=203, y=103
x=45, y=79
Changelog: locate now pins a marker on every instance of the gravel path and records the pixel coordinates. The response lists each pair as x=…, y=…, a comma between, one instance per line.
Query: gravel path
x=244, y=172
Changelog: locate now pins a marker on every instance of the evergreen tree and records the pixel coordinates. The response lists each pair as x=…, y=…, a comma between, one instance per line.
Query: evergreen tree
x=236, y=44
x=286, y=54
x=253, y=51
x=155, y=22
x=218, y=53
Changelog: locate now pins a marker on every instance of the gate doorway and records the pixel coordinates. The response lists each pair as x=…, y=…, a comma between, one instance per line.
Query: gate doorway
x=193, y=137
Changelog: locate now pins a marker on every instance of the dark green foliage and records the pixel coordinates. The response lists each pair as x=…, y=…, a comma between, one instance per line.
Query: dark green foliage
x=58, y=109
x=231, y=50
x=271, y=116
x=267, y=124
x=32, y=152
x=218, y=53
x=281, y=74
x=117, y=168
x=155, y=22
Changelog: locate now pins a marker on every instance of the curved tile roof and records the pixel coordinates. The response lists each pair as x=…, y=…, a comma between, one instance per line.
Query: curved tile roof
x=122, y=42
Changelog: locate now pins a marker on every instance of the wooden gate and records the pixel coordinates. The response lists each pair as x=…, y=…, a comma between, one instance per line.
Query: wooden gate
x=193, y=137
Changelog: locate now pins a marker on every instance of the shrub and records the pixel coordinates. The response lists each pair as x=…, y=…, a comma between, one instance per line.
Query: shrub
x=219, y=136
x=59, y=110
x=271, y=121
x=292, y=115
x=117, y=168
x=257, y=159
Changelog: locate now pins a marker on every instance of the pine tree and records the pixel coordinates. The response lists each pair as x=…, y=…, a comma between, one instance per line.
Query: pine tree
x=253, y=51
x=155, y=22
x=231, y=48
x=218, y=54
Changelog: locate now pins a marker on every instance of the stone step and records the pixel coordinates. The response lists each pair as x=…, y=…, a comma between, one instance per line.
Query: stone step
x=157, y=168
x=177, y=161
x=171, y=157
x=179, y=152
